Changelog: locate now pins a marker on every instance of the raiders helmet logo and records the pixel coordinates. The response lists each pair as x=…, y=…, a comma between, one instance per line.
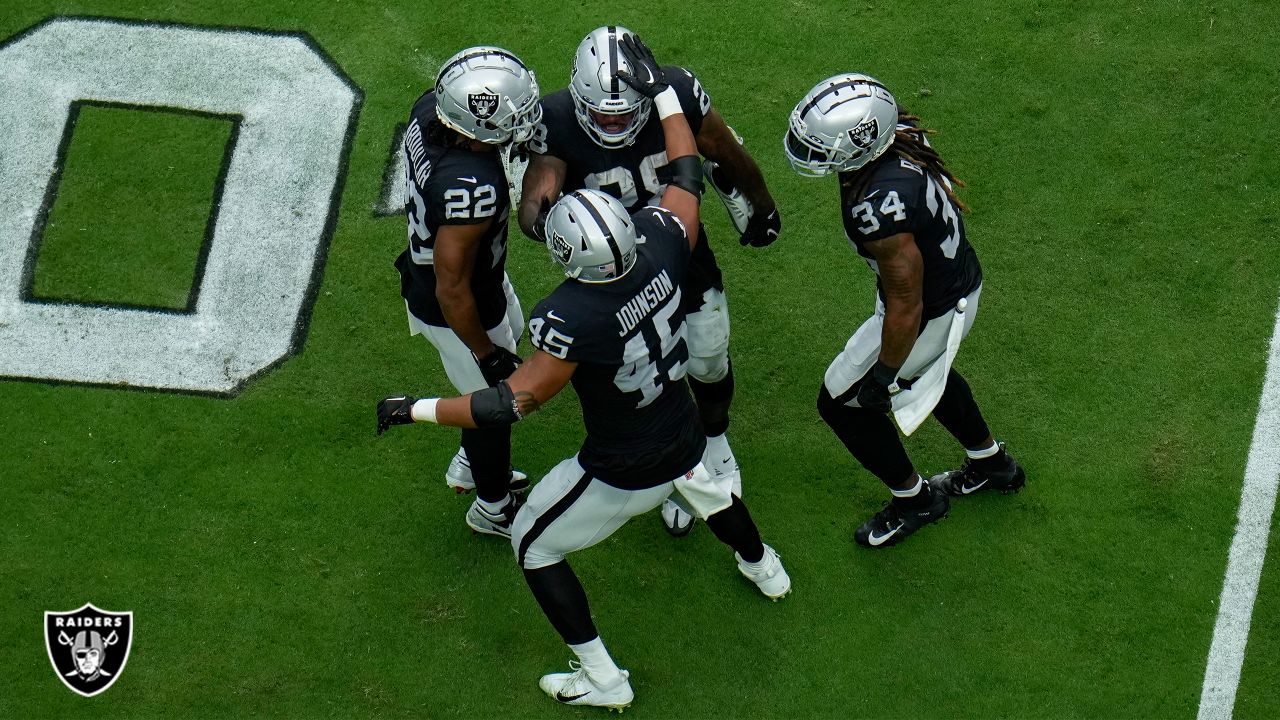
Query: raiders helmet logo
x=561, y=247
x=88, y=647
x=865, y=134
x=482, y=105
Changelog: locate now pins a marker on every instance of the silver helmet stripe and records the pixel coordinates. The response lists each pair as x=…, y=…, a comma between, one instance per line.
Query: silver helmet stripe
x=585, y=201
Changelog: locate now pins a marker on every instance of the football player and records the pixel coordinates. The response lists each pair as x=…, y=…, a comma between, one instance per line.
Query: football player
x=616, y=329
x=900, y=211
x=452, y=275
x=600, y=134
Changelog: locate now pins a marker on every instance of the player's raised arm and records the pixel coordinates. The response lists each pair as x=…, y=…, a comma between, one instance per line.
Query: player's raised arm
x=684, y=192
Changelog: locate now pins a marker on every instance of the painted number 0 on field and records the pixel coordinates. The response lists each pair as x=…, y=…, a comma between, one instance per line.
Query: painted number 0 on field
x=294, y=112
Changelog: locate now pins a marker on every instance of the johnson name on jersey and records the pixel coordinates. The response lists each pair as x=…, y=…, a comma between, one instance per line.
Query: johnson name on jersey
x=900, y=197
x=628, y=338
x=451, y=186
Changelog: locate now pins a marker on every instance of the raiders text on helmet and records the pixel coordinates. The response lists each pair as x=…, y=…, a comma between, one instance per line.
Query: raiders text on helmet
x=591, y=236
x=487, y=94
x=595, y=88
x=843, y=123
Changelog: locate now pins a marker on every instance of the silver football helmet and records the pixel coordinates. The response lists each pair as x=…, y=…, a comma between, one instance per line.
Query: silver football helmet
x=591, y=236
x=487, y=94
x=843, y=123
x=611, y=111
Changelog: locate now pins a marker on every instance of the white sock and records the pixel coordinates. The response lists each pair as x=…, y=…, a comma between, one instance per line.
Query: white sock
x=718, y=449
x=984, y=452
x=596, y=661
x=912, y=491
x=494, y=508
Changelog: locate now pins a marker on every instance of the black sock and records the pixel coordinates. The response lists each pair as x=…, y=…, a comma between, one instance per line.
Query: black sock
x=869, y=436
x=734, y=527
x=558, y=591
x=959, y=414
x=489, y=452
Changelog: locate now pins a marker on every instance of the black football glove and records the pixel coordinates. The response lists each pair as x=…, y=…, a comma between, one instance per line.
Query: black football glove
x=646, y=76
x=540, y=222
x=498, y=365
x=395, y=411
x=762, y=229
x=874, y=393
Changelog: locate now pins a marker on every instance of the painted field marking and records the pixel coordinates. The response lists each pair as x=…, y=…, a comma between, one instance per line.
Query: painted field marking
x=1248, y=549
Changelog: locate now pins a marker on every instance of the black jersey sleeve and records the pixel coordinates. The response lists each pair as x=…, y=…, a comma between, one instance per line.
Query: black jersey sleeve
x=466, y=191
x=892, y=203
x=694, y=100
x=554, y=133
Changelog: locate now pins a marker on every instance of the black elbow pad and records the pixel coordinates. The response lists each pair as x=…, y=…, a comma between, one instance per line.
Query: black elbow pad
x=686, y=174
x=495, y=406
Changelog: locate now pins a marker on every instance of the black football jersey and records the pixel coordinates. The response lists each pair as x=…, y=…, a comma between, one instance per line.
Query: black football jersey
x=451, y=186
x=628, y=338
x=901, y=197
x=636, y=174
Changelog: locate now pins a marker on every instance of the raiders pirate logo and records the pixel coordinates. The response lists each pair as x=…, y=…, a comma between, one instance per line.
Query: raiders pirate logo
x=560, y=247
x=482, y=105
x=88, y=647
x=865, y=134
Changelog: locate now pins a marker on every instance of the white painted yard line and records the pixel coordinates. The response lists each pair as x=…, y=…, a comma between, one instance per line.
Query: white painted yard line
x=1248, y=550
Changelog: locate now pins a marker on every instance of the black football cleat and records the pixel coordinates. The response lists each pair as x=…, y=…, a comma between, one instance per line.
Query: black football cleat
x=969, y=479
x=894, y=523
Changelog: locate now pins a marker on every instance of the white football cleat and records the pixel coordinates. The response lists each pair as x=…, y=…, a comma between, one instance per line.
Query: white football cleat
x=737, y=205
x=482, y=521
x=577, y=688
x=458, y=476
x=768, y=574
x=677, y=522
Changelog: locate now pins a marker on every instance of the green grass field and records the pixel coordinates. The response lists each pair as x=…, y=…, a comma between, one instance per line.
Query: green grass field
x=282, y=561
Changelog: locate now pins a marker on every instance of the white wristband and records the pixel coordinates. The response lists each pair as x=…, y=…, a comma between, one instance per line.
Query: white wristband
x=667, y=103
x=424, y=410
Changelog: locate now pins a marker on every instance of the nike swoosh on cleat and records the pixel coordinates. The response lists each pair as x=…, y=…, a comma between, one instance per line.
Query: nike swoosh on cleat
x=569, y=698
x=879, y=539
x=966, y=489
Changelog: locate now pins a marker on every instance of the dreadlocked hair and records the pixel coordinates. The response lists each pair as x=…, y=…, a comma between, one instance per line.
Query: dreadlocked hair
x=441, y=135
x=909, y=144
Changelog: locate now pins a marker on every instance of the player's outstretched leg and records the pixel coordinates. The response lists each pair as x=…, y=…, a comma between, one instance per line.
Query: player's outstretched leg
x=987, y=466
x=873, y=440
x=758, y=562
x=495, y=506
x=594, y=678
